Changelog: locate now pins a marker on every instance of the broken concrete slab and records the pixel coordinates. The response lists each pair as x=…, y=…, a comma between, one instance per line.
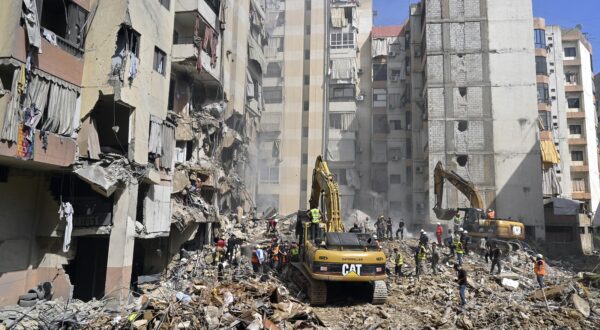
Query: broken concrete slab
x=550, y=292
x=581, y=305
x=511, y=276
x=510, y=284
x=98, y=178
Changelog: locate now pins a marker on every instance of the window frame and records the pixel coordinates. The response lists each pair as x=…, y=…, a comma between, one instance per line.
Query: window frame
x=342, y=40
x=539, y=37
x=574, y=49
x=345, y=97
x=159, y=55
x=541, y=66
x=268, y=91
x=577, y=152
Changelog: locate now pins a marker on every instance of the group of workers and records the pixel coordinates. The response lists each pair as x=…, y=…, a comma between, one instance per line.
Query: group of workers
x=275, y=256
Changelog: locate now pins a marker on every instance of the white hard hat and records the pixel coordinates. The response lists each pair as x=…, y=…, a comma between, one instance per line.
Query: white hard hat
x=422, y=231
x=257, y=246
x=466, y=232
x=539, y=256
x=439, y=224
x=374, y=236
x=460, y=229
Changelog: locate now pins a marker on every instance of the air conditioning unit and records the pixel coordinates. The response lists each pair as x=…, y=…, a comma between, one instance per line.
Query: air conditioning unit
x=360, y=98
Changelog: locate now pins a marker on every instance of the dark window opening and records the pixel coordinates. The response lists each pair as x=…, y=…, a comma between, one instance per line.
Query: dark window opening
x=379, y=72
x=577, y=156
x=306, y=80
x=112, y=122
x=87, y=270
x=380, y=124
x=4, y=173
x=128, y=41
x=573, y=102
x=272, y=95
x=463, y=125
x=543, y=93
x=273, y=70
x=304, y=131
x=342, y=93
x=171, y=94
x=215, y=5
x=304, y=158
x=408, y=119
x=307, y=29
x=462, y=160
x=395, y=125
x=165, y=3
x=570, y=52
x=574, y=129
x=541, y=66
x=160, y=61
x=540, y=38
x=462, y=91
x=305, y=106
x=67, y=21
x=307, y=54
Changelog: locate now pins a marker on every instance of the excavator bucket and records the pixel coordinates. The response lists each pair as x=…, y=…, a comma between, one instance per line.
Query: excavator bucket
x=445, y=214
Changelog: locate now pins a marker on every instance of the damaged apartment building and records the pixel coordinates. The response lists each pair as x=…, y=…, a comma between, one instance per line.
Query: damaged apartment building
x=128, y=130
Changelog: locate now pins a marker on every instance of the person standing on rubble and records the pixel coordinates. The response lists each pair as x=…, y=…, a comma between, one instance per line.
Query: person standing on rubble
x=389, y=231
x=400, y=230
x=539, y=268
x=315, y=219
x=495, y=254
x=439, y=231
x=423, y=239
x=220, y=251
x=435, y=258
x=398, y=262
x=450, y=242
x=294, y=252
x=231, y=243
x=461, y=279
x=258, y=259
x=355, y=229
x=457, y=221
x=466, y=240
x=458, y=247
x=420, y=257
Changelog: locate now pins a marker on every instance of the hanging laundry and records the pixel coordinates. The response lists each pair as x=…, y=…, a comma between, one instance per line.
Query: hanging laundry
x=133, y=68
x=65, y=213
x=22, y=82
x=50, y=36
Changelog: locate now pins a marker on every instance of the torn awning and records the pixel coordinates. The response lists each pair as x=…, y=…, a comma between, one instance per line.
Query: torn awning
x=549, y=153
x=338, y=17
x=255, y=53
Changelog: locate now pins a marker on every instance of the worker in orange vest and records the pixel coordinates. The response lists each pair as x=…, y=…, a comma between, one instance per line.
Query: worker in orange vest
x=539, y=268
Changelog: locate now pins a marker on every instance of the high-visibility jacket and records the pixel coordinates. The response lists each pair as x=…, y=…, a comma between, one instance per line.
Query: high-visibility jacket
x=539, y=268
x=422, y=254
x=399, y=260
x=276, y=252
x=457, y=219
x=315, y=215
x=459, y=247
x=294, y=251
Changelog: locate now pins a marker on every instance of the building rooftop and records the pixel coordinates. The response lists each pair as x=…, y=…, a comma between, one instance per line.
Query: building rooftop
x=387, y=31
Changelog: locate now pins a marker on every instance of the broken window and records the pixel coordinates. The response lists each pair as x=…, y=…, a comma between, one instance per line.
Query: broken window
x=170, y=103
x=160, y=61
x=344, y=121
x=112, y=122
x=572, y=78
x=63, y=24
x=463, y=125
x=273, y=70
x=342, y=40
x=379, y=71
x=462, y=160
x=573, y=102
x=272, y=94
x=342, y=93
x=128, y=48
x=341, y=16
x=545, y=119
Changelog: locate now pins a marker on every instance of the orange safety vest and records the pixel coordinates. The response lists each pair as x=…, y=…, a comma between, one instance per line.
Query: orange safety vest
x=254, y=257
x=539, y=268
x=276, y=253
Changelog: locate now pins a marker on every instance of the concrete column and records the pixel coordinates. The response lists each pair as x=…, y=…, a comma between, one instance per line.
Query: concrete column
x=121, y=242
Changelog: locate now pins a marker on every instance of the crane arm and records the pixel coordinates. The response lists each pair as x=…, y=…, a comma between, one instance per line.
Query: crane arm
x=324, y=183
x=467, y=188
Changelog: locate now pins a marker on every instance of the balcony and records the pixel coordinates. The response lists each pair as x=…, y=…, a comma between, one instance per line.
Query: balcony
x=573, y=87
x=575, y=114
x=579, y=195
x=577, y=141
x=60, y=151
x=208, y=9
x=344, y=3
x=580, y=168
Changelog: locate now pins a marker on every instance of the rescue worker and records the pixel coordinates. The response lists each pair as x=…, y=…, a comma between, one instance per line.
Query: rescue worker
x=461, y=279
x=254, y=260
x=380, y=227
x=398, y=262
x=420, y=257
x=458, y=246
x=388, y=225
x=220, y=251
x=439, y=231
x=457, y=222
x=355, y=229
x=491, y=214
x=294, y=252
x=400, y=230
x=424, y=239
x=539, y=268
x=449, y=242
x=435, y=258
x=315, y=219
x=231, y=243
x=495, y=254
x=465, y=240
x=260, y=255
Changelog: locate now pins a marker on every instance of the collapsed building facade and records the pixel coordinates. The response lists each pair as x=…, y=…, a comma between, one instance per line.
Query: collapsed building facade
x=137, y=121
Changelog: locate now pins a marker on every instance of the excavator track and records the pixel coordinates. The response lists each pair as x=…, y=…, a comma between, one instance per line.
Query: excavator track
x=315, y=289
x=380, y=293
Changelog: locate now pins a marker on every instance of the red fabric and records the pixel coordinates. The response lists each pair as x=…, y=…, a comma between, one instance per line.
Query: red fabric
x=387, y=31
x=439, y=231
x=221, y=243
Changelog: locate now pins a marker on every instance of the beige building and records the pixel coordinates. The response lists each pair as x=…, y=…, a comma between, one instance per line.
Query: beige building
x=143, y=116
x=316, y=83
x=471, y=110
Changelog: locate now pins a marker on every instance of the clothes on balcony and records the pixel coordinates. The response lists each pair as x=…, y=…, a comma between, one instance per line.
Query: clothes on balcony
x=133, y=68
x=11, y=115
x=338, y=18
x=550, y=184
x=155, y=138
x=549, y=153
x=50, y=36
x=249, y=85
x=65, y=213
x=343, y=69
x=380, y=47
x=30, y=16
x=167, y=145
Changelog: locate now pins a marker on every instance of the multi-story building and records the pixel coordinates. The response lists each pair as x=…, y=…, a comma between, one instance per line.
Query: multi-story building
x=472, y=91
x=391, y=108
x=137, y=119
x=317, y=95
x=567, y=110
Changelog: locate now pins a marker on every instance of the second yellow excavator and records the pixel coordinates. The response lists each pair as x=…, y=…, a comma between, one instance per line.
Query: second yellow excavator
x=331, y=255
x=475, y=220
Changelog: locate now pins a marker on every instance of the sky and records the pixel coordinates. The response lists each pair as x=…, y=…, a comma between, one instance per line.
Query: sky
x=567, y=13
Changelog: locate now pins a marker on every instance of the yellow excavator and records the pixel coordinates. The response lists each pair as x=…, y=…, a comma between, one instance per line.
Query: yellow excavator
x=475, y=221
x=330, y=254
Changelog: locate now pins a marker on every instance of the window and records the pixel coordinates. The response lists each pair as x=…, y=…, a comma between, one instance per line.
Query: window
x=345, y=121
x=396, y=75
x=395, y=178
x=546, y=119
x=305, y=106
x=380, y=124
x=160, y=61
x=409, y=176
x=67, y=21
x=171, y=94
x=395, y=125
x=577, y=156
x=574, y=129
x=272, y=95
x=304, y=158
x=540, y=38
x=573, y=102
x=307, y=54
x=572, y=78
x=273, y=70
x=269, y=174
x=307, y=30
x=165, y=3
x=379, y=98
x=340, y=176
x=306, y=79
x=541, y=67
x=543, y=93
x=570, y=52
x=379, y=72
x=342, y=40
x=409, y=149
x=408, y=119
x=341, y=93
x=304, y=131
x=578, y=184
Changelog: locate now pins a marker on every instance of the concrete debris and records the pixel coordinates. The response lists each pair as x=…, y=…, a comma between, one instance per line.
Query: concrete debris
x=510, y=284
x=581, y=305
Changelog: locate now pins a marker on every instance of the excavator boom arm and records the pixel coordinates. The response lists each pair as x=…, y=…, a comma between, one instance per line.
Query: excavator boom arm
x=465, y=187
x=324, y=183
